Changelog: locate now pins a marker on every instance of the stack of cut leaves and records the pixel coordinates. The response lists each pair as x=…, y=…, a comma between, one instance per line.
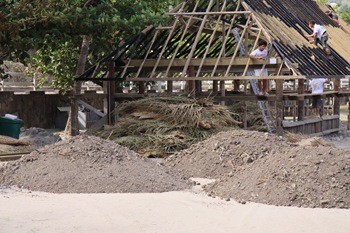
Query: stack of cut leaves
x=254, y=117
x=160, y=126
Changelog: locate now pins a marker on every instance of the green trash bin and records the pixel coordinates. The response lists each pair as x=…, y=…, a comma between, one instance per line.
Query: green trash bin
x=9, y=127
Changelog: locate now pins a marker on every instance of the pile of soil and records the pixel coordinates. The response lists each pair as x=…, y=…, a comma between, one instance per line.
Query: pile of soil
x=257, y=167
x=225, y=153
x=38, y=137
x=88, y=164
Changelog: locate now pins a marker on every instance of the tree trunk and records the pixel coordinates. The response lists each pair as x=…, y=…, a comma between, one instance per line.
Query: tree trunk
x=72, y=128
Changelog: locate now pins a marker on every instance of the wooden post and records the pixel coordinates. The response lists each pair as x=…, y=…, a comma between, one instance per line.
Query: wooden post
x=336, y=98
x=142, y=87
x=348, y=114
x=105, y=100
x=111, y=94
x=245, y=115
x=198, y=84
x=170, y=86
x=222, y=90
x=301, y=102
x=215, y=86
x=191, y=83
x=279, y=107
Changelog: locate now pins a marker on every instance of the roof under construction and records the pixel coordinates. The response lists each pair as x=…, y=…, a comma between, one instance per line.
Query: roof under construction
x=198, y=43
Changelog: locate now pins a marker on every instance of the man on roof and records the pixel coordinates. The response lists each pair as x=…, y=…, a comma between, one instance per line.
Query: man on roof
x=333, y=16
x=320, y=35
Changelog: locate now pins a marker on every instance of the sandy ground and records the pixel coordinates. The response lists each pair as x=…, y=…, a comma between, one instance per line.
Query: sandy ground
x=171, y=212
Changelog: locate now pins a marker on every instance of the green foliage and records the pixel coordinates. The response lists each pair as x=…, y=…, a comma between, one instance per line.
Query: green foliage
x=322, y=1
x=54, y=29
x=57, y=60
x=345, y=15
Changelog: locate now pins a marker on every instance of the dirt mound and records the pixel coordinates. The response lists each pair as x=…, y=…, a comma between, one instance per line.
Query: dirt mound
x=225, y=153
x=38, y=137
x=258, y=167
x=304, y=177
x=88, y=164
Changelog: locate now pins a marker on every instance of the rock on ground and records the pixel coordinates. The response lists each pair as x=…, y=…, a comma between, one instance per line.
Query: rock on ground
x=88, y=164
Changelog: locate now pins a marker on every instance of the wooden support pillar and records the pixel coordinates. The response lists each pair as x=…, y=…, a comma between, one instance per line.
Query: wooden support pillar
x=245, y=115
x=279, y=107
x=336, y=106
x=222, y=90
x=142, y=87
x=348, y=114
x=215, y=86
x=170, y=86
x=198, y=84
x=111, y=94
x=301, y=102
x=191, y=83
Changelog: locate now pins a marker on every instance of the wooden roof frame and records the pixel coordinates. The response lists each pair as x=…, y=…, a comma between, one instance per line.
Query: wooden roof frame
x=199, y=39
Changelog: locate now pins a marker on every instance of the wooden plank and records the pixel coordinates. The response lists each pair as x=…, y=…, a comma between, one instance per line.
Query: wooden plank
x=211, y=40
x=237, y=47
x=176, y=21
x=220, y=78
x=91, y=108
x=198, y=36
x=210, y=13
x=188, y=23
x=180, y=62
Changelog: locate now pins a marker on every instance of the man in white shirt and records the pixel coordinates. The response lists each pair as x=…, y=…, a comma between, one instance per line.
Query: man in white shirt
x=261, y=53
x=317, y=85
x=320, y=35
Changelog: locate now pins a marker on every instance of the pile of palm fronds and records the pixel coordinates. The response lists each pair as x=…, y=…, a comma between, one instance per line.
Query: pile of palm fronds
x=159, y=126
x=254, y=117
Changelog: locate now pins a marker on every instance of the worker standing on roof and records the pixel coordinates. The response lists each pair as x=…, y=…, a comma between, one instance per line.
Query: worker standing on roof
x=261, y=53
x=333, y=16
x=320, y=35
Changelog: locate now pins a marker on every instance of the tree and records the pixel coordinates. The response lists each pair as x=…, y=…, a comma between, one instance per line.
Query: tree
x=54, y=30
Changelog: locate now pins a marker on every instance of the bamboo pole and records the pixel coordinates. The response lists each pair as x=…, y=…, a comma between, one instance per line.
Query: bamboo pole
x=255, y=44
x=167, y=41
x=211, y=13
x=210, y=41
x=237, y=47
x=199, y=34
x=223, y=47
x=179, y=43
x=216, y=78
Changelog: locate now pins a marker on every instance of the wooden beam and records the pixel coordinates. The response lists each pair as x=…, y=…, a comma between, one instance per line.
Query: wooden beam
x=336, y=106
x=301, y=102
x=198, y=36
x=215, y=78
x=211, y=13
x=91, y=108
x=188, y=23
x=211, y=40
x=179, y=62
x=111, y=94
